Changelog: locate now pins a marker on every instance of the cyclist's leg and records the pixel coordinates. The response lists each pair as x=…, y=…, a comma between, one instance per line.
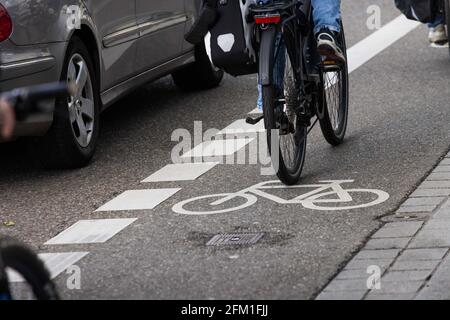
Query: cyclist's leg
x=327, y=26
x=437, y=21
x=327, y=14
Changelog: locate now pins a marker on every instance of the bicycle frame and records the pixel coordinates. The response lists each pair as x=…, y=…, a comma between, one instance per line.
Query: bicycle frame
x=295, y=24
x=294, y=20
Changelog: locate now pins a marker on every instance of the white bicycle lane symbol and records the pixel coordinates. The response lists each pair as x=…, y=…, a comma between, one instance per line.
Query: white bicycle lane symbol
x=317, y=199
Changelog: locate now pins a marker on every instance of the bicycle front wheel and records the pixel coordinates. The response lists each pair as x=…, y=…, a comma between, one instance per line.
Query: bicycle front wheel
x=335, y=86
x=287, y=150
x=24, y=262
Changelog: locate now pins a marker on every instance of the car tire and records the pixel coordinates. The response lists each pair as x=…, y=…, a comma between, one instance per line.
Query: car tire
x=73, y=136
x=200, y=75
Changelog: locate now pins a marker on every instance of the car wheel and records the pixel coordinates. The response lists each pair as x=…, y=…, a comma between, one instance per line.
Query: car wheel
x=200, y=75
x=73, y=136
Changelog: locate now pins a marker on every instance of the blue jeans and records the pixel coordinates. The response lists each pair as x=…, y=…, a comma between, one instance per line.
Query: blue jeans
x=440, y=19
x=326, y=14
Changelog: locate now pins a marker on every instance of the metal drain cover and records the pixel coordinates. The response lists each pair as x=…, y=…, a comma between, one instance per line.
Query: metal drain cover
x=235, y=239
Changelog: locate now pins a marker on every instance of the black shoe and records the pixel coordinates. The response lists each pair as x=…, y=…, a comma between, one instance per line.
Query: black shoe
x=327, y=46
x=205, y=21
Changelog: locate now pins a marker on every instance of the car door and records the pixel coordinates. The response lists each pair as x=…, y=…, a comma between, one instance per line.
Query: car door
x=116, y=25
x=162, y=25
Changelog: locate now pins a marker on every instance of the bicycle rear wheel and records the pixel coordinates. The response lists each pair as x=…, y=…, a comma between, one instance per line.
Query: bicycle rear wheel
x=286, y=136
x=335, y=99
x=23, y=261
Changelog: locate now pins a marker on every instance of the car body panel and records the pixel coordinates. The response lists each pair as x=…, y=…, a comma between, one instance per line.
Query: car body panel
x=136, y=40
x=37, y=21
x=161, y=29
x=117, y=31
x=192, y=9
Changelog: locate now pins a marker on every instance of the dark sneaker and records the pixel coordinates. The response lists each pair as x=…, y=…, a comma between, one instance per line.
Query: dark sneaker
x=327, y=46
x=202, y=25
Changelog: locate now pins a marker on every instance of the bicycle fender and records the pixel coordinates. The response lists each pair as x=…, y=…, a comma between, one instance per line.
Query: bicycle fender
x=266, y=56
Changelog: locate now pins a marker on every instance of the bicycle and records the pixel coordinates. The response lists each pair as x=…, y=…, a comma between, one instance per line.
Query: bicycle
x=316, y=199
x=313, y=88
x=14, y=255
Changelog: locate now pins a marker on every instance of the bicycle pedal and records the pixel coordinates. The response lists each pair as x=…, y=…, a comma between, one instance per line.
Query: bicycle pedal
x=253, y=121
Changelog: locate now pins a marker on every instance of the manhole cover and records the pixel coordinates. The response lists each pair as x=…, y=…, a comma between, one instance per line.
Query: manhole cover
x=235, y=239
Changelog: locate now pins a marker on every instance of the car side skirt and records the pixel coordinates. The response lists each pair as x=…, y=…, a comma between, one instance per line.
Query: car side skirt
x=113, y=94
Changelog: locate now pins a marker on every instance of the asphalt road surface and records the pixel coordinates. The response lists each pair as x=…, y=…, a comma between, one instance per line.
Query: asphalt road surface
x=398, y=131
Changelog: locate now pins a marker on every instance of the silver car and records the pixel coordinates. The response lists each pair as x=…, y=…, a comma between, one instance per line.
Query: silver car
x=108, y=47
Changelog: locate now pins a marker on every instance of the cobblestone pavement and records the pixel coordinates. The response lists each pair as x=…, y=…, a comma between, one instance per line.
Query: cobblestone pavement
x=408, y=258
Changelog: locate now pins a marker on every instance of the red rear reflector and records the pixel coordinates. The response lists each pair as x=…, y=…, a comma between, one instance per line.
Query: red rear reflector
x=5, y=24
x=268, y=19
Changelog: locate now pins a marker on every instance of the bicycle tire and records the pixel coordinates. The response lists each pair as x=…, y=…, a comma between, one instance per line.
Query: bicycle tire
x=288, y=174
x=335, y=134
x=21, y=259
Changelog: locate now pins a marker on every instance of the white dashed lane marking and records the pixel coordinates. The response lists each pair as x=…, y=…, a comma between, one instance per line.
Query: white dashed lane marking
x=181, y=172
x=91, y=231
x=240, y=126
x=378, y=41
x=217, y=148
x=255, y=111
x=56, y=263
x=139, y=199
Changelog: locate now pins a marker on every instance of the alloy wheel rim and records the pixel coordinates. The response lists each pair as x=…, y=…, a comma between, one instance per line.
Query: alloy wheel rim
x=81, y=105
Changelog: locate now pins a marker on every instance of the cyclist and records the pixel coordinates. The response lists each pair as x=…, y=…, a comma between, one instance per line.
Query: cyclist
x=327, y=17
x=7, y=120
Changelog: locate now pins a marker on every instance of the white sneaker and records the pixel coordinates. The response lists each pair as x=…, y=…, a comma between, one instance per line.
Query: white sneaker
x=438, y=35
